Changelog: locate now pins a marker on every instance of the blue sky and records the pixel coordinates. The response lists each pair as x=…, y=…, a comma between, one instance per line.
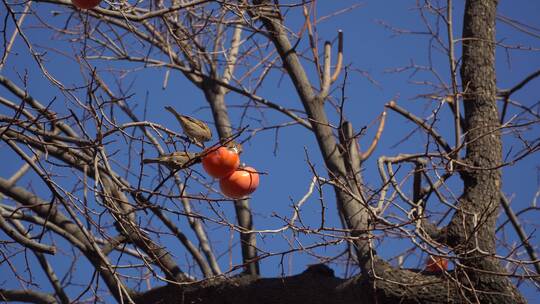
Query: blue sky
x=370, y=48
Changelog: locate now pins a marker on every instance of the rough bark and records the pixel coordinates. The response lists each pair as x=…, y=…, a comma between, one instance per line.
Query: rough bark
x=472, y=230
x=316, y=285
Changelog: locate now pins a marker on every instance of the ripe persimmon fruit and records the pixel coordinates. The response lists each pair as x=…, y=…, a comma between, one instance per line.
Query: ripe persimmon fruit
x=220, y=162
x=240, y=183
x=436, y=264
x=86, y=4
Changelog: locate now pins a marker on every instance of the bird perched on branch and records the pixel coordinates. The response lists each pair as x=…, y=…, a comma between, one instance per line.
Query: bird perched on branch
x=197, y=131
x=176, y=160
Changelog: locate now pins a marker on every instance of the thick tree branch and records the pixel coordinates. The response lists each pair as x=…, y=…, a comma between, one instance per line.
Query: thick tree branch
x=316, y=285
x=365, y=155
x=23, y=240
x=50, y=212
x=248, y=241
x=30, y=296
x=51, y=275
x=355, y=212
x=339, y=64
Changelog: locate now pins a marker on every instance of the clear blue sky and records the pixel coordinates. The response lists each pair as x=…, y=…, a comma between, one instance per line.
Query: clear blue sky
x=370, y=48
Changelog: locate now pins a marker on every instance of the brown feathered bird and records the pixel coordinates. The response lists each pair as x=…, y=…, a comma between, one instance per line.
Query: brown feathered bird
x=197, y=131
x=176, y=160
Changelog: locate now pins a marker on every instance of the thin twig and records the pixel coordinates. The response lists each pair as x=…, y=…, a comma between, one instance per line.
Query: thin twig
x=23, y=240
x=14, y=35
x=520, y=232
x=507, y=93
x=440, y=140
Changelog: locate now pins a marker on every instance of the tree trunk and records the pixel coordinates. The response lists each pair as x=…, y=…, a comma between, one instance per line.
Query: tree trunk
x=472, y=230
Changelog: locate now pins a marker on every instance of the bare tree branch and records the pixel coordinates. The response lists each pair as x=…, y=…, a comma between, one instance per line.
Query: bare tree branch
x=507, y=93
x=520, y=232
x=30, y=296
x=355, y=214
x=23, y=240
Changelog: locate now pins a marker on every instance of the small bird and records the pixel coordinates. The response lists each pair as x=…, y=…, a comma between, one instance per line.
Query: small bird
x=197, y=131
x=176, y=160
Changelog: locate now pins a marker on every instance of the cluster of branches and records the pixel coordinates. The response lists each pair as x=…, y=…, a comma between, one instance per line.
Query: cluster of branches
x=109, y=211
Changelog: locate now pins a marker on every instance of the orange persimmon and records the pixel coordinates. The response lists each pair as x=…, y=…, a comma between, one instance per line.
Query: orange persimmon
x=436, y=264
x=85, y=4
x=240, y=183
x=220, y=162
